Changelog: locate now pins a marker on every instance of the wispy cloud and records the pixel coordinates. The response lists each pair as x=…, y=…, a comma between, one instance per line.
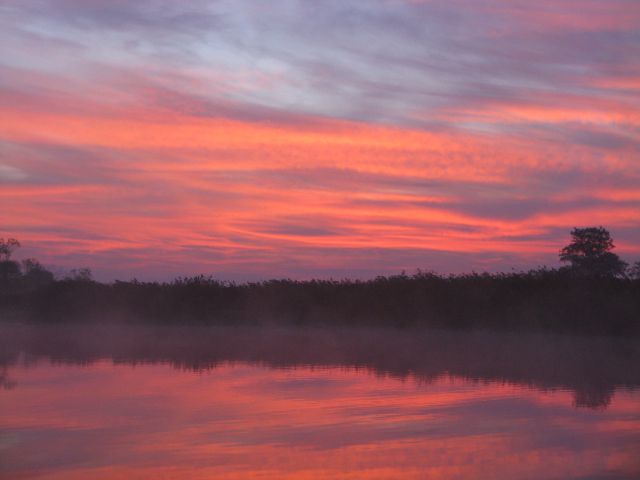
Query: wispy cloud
x=302, y=138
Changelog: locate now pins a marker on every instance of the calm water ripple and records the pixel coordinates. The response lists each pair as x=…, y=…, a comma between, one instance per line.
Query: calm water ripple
x=111, y=416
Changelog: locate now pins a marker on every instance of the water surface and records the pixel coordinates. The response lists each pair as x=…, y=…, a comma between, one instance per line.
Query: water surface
x=140, y=403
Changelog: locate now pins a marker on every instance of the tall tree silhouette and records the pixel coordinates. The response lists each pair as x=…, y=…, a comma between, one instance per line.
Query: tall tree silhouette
x=9, y=270
x=7, y=247
x=589, y=253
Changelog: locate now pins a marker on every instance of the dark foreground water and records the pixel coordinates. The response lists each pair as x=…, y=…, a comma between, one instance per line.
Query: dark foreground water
x=136, y=403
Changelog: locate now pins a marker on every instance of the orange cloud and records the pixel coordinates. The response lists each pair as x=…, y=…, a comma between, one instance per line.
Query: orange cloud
x=159, y=187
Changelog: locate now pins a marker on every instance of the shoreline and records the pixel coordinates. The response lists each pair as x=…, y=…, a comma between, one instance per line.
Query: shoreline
x=542, y=300
x=592, y=367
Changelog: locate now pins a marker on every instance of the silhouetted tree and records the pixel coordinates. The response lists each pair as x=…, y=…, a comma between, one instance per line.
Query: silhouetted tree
x=7, y=247
x=80, y=275
x=9, y=270
x=634, y=271
x=35, y=275
x=589, y=253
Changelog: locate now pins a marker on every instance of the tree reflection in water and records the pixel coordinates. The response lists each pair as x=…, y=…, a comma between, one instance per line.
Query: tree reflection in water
x=591, y=367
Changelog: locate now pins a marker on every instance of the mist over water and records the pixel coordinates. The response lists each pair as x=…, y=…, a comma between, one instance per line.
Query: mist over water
x=104, y=401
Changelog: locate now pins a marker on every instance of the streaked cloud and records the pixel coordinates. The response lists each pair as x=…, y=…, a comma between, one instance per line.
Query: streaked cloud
x=155, y=138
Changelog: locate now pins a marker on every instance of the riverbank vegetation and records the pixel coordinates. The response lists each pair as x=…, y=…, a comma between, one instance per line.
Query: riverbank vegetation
x=595, y=294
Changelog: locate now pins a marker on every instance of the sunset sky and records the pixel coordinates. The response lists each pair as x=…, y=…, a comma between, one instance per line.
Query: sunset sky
x=300, y=138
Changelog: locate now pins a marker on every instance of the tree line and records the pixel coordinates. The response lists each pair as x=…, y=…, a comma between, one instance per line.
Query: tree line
x=596, y=292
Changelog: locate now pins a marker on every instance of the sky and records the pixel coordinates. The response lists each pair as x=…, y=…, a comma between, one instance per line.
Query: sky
x=301, y=138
